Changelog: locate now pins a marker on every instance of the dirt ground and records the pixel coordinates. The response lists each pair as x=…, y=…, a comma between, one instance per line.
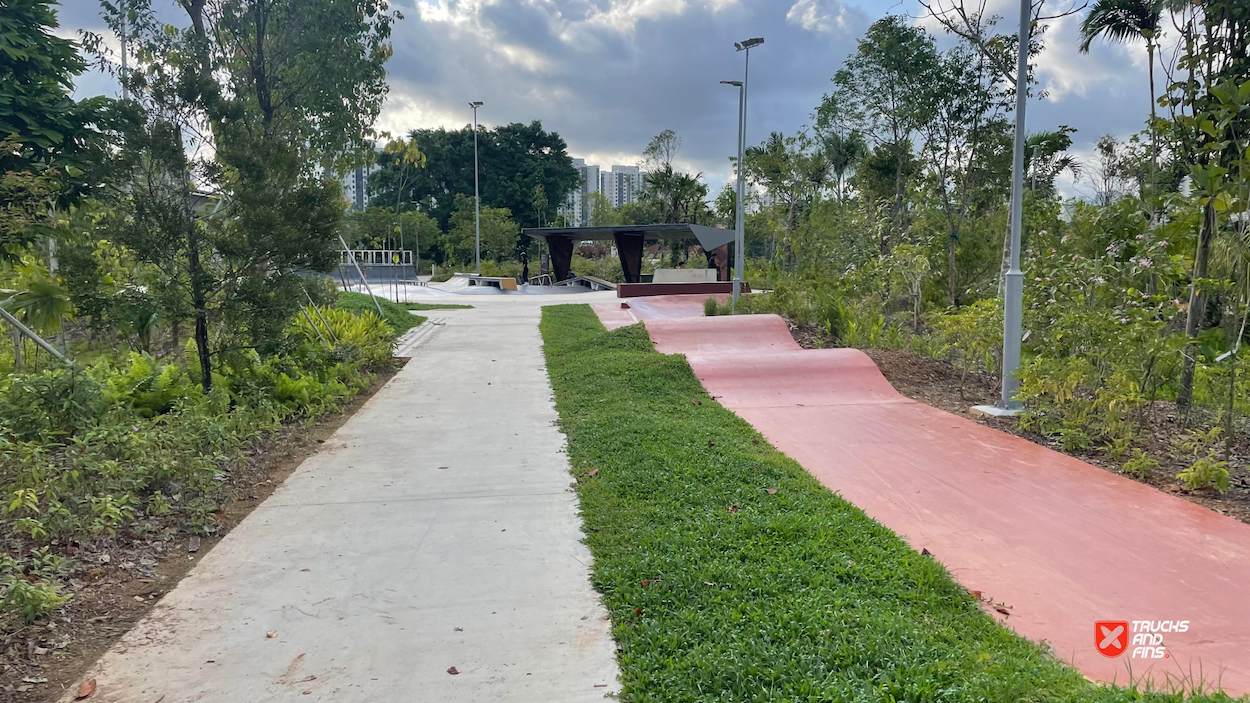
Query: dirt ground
x=938, y=383
x=116, y=583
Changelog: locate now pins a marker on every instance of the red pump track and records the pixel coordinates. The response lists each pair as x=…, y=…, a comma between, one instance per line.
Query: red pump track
x=1062, y=544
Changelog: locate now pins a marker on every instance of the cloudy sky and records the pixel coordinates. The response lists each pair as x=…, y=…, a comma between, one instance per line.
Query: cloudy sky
x=609, y=74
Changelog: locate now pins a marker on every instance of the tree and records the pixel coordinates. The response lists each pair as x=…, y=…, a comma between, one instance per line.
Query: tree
x=49, y=141
x=793, y=170
x=515, y=159
x=499, y=232
x=1046, y=157
x=661, y=150
x=1123, y=21
x=283, y=86
x=1215, y=52
x=675, y=196
x=880, y=90
x=602, y=214
x=962, y=99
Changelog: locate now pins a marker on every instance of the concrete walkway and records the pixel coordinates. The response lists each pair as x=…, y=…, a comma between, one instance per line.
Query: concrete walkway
x=436, y=529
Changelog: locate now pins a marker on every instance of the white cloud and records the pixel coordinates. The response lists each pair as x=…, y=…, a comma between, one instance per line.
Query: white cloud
x=818, y=16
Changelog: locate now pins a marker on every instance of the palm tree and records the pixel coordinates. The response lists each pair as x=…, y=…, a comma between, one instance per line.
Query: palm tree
x=844, y=151
x=1122, y=21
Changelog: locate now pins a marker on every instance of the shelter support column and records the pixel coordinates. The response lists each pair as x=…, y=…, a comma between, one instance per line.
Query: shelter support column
x=718, y=259
x=629, y=248
x=561, y=256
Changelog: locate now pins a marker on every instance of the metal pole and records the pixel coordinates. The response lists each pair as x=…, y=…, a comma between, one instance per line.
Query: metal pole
x=477, y=201
x=1013, y=304
x=355, y=263
x=740, y=229
x=34, y=337
x=739, y=205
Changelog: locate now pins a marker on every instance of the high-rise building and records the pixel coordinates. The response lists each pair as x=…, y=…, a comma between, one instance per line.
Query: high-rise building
x=623, y=184
x=576, y=209
x=356, y=186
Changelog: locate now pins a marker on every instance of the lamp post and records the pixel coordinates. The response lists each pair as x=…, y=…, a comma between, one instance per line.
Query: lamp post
x=477, y=214
x=1013, y=302
x=738, y=224
x=740, y=235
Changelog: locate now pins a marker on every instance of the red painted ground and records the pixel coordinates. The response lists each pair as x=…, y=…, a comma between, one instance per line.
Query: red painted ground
x=1061, y=542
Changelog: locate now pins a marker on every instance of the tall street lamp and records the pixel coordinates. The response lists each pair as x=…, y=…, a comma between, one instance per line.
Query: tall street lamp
x=477, y=214
x=740, y=235
x=1013, y=303
x=739, y=228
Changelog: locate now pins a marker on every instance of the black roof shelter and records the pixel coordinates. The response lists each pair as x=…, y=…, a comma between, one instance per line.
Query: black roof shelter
x=630, y=240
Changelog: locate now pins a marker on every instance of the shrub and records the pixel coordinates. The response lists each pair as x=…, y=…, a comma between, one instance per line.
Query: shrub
x=1140, y=465
x=1205, y=472
x=398, y=317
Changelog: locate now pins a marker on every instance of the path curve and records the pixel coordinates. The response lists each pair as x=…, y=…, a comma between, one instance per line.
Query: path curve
x=1062, y=543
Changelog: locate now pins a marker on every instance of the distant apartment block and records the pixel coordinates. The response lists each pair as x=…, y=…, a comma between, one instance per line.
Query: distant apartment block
x=575, y=209
x=356, y=186
x=621, y=185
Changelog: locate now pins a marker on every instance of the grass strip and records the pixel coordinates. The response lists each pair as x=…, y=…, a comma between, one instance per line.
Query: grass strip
x=731, y=574
x=395, y=315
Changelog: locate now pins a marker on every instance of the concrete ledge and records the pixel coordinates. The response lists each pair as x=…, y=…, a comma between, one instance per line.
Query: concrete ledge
x=639, y=290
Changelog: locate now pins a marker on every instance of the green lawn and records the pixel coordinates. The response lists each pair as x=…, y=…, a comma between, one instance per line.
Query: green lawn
x=435, y=306
x=395, y=315
x=722, y=590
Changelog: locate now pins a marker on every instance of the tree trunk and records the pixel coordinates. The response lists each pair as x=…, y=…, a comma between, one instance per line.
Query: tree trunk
x=950, y=269
x=1197, y=305
x=1154, y=140
x=17, y=351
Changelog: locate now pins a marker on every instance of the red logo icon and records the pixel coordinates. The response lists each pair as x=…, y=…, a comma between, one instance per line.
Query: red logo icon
x=1111, y=637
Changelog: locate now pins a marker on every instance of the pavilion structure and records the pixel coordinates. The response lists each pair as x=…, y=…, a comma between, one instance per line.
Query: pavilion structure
x=630, y=241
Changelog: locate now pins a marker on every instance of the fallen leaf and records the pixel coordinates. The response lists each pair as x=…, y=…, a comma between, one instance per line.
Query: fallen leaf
x=193, y=545
x=637, y=611
x=34, y=679
x=771, y=491
x=459, y=629
x=453, y=670
x=1002, y=610
x=755, y=441
x=305, y=569
x=444, y=467
x=925, y=553
x=733, y=508
x=585, y=617
x=697, y=402
x=591, y=473
x=601, y=685
x=271, y=634
x=711, y=444
x=85, y=689
x=974, y=594
x=646, y=583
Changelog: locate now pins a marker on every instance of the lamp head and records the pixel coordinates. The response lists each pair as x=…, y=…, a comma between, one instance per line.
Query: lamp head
x=476, y=103
x=749, y=43
x=736, y=84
